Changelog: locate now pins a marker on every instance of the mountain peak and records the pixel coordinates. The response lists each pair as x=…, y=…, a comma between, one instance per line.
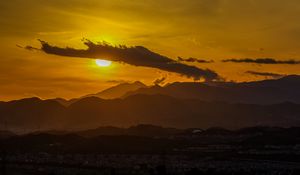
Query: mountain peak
x=257, y=92
x=30, y=99
x=119, y=90
x=138, y=83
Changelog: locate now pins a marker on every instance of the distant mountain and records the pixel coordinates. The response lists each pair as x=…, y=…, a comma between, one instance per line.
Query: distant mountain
x=258, y=92
x=32, y=114
x=138, y=130
x=6, y=134
x=216, y=131
x=152, y=130
x=106, y=130
x=91, y=112
x=118, y=90
x=65, y=102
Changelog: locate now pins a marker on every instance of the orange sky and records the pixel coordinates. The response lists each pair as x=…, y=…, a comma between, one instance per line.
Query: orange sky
x=204, y=29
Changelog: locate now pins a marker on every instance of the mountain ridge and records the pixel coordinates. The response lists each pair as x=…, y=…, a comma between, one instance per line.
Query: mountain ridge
x=163, y=110
x=118, y=90
x=257, y=92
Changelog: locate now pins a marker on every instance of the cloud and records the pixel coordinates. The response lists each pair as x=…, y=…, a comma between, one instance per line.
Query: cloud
x=136, y=56
x=262, y=61
x=265, y=74
x=194, y=60
x=159, y=81
x=30, y=48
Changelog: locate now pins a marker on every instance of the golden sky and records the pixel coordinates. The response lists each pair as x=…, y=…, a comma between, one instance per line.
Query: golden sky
x=203, y=29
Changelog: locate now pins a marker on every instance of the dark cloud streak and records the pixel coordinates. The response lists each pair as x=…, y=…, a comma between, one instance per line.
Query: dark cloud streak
x=160, y=81
x=194, y=60
x=136, y=56
x=30, y=48
x=265, y=74
x=262, y=61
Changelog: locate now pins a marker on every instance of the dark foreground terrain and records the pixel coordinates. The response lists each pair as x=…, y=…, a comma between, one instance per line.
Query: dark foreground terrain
x=147, y=149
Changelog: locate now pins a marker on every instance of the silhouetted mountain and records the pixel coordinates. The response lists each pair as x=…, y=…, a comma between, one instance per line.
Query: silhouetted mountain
x=180, y=105
x=152, y=130
x=107, y=130
x=91, y=112
x=259, y=92
x=118, y=90
x=258, y=130
x=216, y=131
x=110, y=93
x=51, y=132
x=33, y=114
x=65, y=102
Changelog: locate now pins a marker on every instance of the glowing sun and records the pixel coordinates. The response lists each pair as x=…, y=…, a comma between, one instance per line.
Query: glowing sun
x=103, y=63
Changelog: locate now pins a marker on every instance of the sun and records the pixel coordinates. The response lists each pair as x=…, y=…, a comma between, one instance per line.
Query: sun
x=103, y=63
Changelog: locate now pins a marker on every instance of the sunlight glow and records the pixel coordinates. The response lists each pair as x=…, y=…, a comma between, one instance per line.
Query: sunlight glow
x=103, y=63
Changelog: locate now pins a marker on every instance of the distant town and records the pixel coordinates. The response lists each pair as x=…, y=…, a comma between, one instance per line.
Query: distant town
x=150, y=149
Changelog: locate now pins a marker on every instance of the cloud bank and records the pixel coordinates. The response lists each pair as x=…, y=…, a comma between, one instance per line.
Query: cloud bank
x=136, y=56
x=262, y=61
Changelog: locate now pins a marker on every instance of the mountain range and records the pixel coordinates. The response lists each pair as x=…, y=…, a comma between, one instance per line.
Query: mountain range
x=91, y=112
x=257, y=92
x=111, y=93
x=181, y=105
x=118, y=90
